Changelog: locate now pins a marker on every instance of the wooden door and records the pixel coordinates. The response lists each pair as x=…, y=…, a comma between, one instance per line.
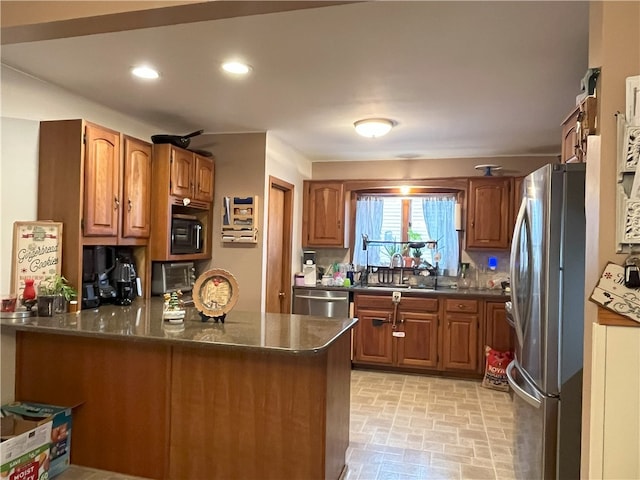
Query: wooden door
x=279, y=233
x=373, y=339
x=419, y=346
x=323, y=222
x=499, y=334
x=101, y=181
x=203, y=174
x=460, y=342
x=181, y=172
x=136, y=190
x=489, y=212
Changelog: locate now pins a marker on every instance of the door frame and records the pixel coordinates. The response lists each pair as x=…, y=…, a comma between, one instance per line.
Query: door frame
x=287, y=240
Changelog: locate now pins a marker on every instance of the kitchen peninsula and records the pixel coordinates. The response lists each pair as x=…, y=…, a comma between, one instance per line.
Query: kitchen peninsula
x=260, y=396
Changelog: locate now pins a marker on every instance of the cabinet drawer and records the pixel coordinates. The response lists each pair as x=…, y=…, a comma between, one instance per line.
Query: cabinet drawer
x=373, y=301
x=412, y=304
x=461, y=305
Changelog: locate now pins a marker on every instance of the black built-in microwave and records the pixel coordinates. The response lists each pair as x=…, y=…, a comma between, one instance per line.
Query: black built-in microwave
x=186, y=235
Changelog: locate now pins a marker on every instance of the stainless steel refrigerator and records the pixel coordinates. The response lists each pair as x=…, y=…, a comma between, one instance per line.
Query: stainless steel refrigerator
x=547, y=310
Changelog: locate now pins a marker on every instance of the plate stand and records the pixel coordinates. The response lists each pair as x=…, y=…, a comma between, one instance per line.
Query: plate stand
x=219, y=318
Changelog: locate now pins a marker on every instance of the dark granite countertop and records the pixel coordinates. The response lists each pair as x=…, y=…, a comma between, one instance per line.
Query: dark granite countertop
x=492, y=294
x=142, y=321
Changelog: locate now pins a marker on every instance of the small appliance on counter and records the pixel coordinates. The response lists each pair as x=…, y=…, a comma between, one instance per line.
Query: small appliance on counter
x=170, y=277
x=125, y=280
x=108, y=276
x=309, y=268
x=97, y=264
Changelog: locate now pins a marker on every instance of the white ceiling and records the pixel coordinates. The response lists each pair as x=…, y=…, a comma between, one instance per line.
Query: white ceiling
x=461, y=79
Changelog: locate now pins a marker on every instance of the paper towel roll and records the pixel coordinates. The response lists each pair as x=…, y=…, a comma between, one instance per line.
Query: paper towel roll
x=457, y=216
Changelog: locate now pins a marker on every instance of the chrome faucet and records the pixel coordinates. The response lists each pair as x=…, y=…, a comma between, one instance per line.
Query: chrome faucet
x=393, y=263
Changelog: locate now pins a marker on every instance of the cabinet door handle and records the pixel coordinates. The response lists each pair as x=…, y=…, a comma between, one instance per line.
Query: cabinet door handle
x=129, y=204
x=116, y=203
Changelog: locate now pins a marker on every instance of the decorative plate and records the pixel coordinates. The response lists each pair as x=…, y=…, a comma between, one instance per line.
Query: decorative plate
x=215, y=292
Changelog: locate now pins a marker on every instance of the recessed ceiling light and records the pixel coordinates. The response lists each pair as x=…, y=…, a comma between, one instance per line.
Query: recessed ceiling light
x=238, y=68
x=145, y=72
x=373, y=127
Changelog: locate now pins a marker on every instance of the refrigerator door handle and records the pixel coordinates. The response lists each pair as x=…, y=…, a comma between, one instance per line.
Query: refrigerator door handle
x=515, y=284
x=509, y=317
x=518, y=390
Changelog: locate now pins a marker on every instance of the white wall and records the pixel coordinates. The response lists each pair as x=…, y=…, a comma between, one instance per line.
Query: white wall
x=24, y=102
x=285, y=163
x=615, y=413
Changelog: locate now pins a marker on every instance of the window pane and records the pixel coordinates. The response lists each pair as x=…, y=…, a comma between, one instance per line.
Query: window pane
x=440, y=219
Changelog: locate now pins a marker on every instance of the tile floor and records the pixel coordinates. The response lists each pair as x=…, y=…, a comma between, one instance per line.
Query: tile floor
x=413, y=427
x=420, y=427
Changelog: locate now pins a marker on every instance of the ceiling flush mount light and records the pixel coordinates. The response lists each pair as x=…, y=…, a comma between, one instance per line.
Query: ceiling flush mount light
x=237, y=68
x=373, y=127
x=145, y=72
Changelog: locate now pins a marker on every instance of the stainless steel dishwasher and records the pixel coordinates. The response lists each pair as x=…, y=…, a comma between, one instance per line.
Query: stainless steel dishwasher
x=318, y=301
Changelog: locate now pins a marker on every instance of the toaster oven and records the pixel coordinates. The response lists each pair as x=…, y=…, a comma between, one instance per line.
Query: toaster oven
x=172, y=276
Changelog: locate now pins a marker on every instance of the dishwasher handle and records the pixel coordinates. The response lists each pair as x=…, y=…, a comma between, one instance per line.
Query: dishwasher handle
x=326, y=299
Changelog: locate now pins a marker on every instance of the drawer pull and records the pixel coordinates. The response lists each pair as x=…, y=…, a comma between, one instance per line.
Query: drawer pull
x=461, y=306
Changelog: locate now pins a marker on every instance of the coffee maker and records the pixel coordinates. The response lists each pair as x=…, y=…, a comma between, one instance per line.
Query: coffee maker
x=309, y=267
x=97, y=263
x=123, y=278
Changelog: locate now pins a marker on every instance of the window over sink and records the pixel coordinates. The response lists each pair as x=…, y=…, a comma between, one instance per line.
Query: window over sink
x=398, y=218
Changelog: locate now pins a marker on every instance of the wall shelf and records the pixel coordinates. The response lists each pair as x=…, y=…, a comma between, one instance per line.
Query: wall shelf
x=239, y=220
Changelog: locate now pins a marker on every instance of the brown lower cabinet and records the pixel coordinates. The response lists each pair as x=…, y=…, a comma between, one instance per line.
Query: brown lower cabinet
x=437, y=334
x=499, y=334
x=460, y=335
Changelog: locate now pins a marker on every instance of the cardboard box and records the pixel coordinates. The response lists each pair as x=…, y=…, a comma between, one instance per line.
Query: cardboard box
x=24, y=451
x=60, y=436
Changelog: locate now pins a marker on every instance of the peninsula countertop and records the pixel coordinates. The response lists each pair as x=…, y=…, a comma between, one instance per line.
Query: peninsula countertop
x=142, y=321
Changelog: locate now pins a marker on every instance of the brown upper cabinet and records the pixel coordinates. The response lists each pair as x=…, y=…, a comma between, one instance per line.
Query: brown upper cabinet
x=580, y=123
x=191, y=174
x=136, y=189
x=489, y=218
x=101, y=181
x=323, y=218
x=97, y=182
x=183, y=186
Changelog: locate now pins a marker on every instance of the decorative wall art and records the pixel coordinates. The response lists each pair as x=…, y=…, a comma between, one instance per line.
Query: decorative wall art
x=628, y=187
x=633, y=100
x=612, y=294
x=37, y=253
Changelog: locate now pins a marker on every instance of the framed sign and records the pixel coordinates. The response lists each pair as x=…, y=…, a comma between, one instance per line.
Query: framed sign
x=37, y=253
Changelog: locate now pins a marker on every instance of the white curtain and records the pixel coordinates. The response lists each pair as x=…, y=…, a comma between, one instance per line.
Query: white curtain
x=439, y=212
x=368, y=221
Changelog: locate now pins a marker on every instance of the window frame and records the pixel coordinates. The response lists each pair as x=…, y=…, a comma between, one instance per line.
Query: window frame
x=459, y=193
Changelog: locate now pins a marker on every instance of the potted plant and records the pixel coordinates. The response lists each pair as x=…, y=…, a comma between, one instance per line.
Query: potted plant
x=416, y=245
x=53, y=294
x=417, y=256
x=391, y=249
